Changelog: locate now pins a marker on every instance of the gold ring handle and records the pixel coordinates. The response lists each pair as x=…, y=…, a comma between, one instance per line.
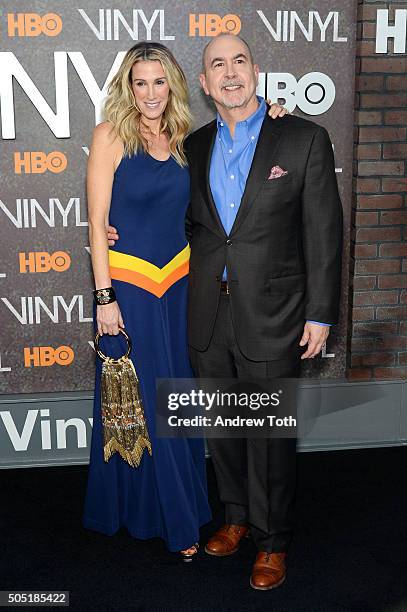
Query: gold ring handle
x=105, y=357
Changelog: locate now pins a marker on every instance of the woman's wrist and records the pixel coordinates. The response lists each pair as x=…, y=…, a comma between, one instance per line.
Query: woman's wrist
x=104, y=296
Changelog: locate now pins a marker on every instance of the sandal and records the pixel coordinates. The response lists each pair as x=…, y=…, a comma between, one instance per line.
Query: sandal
x=188, y=556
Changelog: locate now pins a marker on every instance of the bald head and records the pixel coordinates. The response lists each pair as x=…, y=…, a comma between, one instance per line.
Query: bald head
x=225, y=36
x=228, y=75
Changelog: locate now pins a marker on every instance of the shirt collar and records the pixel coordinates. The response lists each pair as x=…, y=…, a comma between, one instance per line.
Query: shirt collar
x=253, y=123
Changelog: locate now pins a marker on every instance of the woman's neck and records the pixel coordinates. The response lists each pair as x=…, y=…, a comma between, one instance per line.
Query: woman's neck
x=150, y=126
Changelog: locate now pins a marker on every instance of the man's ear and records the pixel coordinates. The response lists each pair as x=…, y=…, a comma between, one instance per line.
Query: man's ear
x=256, y=72
x=202, y=80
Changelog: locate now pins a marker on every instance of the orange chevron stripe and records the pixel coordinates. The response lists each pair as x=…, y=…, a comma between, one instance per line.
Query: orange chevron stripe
x=144, y=282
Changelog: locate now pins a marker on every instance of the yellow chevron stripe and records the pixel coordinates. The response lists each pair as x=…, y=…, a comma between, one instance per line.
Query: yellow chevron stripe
x=158, y=275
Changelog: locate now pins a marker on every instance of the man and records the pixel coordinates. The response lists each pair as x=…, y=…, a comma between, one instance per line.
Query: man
x=265, y=271
x=265, y=227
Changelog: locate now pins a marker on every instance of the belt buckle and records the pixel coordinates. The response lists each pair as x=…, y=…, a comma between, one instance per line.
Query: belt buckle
x=225, y=288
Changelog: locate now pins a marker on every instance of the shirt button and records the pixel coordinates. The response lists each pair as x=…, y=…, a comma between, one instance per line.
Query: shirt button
x=221, y=123
x=230, y=150
x=228, y=242
x=232, y=176
x=232, y=205
x=252, y=137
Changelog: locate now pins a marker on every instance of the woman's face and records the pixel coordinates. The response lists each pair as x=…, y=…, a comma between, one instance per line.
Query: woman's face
x=150, y=88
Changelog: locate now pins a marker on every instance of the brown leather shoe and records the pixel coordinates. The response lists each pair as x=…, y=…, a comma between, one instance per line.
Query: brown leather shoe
x=226, y=540
x=268, y=571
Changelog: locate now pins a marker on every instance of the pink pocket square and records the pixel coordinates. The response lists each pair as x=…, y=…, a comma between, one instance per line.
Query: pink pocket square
x=276, y=172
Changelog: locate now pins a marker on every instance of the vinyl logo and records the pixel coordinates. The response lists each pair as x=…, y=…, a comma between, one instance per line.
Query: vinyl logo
x=36, y=426
x=42, y=261
x=38, y=162
x=34, y=309
x=209, y=24
x=114, y=24
x=45, y=356
x=32, y=24
x=28, y=212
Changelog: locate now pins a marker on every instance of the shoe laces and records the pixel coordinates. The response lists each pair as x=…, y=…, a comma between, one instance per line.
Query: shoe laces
x=236, y=528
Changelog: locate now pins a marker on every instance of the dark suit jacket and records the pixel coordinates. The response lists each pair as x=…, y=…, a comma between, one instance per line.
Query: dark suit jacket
x=283, y=254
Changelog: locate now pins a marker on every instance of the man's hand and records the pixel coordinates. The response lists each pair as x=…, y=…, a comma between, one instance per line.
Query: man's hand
x=276, y=110
x=315, y=336
x=112, y=235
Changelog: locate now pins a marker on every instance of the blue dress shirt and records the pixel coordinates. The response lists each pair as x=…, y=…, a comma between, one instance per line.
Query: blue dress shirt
x=230, y=165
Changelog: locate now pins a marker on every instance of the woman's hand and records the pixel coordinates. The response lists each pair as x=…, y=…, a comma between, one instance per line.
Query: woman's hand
x=276, y=110
x=109, y=319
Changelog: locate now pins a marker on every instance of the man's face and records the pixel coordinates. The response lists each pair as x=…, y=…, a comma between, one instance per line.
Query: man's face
x=230, y=77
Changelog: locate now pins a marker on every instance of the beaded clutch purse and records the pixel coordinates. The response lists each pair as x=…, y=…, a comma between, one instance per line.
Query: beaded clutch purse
x=124, y=425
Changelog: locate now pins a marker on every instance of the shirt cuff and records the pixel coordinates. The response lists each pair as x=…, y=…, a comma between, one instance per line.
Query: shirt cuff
x=318, y=323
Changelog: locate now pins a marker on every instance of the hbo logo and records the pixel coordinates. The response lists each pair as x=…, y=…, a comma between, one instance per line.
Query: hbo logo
x=209, y=24
x=313, y=93
x=47, y=356
x=38, y=162
x=41, y=261
x=32, y=24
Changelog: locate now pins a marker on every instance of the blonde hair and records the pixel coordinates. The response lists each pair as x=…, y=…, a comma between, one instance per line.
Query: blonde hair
x=121, y=111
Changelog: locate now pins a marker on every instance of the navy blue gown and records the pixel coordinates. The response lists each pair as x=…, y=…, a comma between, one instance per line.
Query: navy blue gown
x=166, y=495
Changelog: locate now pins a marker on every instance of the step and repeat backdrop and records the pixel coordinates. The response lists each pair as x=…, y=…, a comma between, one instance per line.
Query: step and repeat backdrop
x=56, y=60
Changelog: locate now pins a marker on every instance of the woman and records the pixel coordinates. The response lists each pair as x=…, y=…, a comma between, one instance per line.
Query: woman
x=138, y=181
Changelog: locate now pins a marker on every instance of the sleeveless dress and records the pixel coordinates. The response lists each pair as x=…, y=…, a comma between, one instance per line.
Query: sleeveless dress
x=166, y=495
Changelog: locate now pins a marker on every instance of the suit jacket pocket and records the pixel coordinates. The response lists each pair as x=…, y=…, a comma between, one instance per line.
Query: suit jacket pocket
x=287, y=284
x=282, y=182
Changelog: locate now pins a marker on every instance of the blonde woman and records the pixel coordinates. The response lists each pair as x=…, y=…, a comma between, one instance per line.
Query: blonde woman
x=138, y=181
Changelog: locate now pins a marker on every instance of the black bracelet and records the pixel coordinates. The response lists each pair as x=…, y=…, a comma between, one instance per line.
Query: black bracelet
x=104, y=296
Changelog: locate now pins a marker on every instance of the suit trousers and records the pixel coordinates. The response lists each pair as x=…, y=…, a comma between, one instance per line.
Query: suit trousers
x=256, y=477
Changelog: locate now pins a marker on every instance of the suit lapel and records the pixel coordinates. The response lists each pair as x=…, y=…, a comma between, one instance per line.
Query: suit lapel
x=263, y=160
x=207, y=148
